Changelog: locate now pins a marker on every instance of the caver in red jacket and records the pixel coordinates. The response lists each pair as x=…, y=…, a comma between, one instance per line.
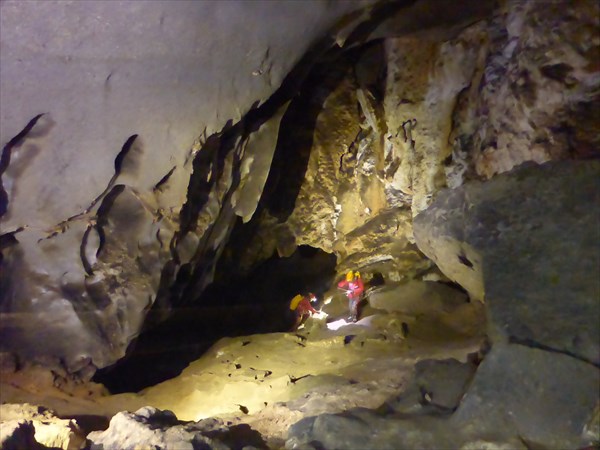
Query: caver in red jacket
x=354, y=287
x=302, y=307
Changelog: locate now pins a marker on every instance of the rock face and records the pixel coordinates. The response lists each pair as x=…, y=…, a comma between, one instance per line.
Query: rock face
x=539, y=384
x=18, y=434
x=542, y=397
x=149, y=427
x=110, y=191
x=534, y=256
x=435, y=109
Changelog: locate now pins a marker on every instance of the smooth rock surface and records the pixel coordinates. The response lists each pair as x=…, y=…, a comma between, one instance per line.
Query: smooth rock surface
x=437, y=388
x=543, y=397
x=535, y=257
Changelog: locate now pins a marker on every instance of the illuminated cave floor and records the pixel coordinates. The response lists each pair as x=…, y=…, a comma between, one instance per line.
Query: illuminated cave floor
x=271, y=381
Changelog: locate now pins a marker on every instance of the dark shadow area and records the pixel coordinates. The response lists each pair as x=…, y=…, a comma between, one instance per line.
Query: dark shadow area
x=239, y=437
x=89, y=422
x=236, y=306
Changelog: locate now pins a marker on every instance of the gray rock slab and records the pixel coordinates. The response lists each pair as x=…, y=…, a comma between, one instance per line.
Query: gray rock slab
x=437, y=387
x=528, y=242
x=545, y=398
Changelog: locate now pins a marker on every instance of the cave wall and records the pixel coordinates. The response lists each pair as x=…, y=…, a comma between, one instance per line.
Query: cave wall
x=116, y=168
x=135, y=133
x=419, y=111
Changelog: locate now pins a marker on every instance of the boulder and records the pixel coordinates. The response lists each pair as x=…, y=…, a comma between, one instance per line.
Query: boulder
x=533, y=258
x=49, y=430
x=17, y=435
x=545, y=398
x=150, y=427
x=437, y=387
x=519, y=398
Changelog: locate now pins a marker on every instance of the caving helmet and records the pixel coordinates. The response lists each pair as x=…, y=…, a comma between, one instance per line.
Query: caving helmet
x=350, y=276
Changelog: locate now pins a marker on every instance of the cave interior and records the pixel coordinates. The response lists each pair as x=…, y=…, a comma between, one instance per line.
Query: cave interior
x=449, y=152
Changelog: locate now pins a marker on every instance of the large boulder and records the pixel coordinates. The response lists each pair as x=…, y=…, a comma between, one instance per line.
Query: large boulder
x=48, y=430
x=528, y=243
x=18, y=434
x=544, y=398
x=152, y=428
x=519, y=398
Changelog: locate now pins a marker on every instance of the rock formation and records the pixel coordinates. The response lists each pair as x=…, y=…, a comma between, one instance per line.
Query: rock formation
x=447, y=150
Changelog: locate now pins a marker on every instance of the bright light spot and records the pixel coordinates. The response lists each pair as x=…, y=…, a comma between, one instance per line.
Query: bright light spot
x=328, y=300
x=321, y=315
x=301, y=327
x=337, y=324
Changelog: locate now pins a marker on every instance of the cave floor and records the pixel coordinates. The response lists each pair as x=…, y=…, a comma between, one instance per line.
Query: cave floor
x=270, y=381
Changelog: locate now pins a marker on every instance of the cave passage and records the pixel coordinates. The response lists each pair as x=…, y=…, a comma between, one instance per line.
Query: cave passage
x=232, y=306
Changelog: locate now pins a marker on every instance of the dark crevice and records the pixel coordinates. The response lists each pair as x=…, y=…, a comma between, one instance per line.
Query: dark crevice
x=102, y=215
x=82, y=249
x=533, y=344
x=158, y=187
x=208, y=167
x=5, y=159
x=232, y=306
x=296, y=134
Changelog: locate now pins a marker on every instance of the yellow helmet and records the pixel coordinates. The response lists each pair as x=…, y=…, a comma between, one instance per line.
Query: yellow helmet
x=357, y=274
x=350, y=276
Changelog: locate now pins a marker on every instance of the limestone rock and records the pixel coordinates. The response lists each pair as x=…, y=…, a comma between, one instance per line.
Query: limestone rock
x=382, y=245
x=591, y=431
x=18, y=435
x=522, y=397
x=545, y=398
x=437, y=387
x=536, y=86
x=534, y=257
x=50, y=431
x=424, y=79
x=103, y=146
x=150, y=428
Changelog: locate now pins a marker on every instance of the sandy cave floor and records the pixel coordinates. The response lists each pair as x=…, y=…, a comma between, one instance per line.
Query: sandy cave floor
x=270, y=381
